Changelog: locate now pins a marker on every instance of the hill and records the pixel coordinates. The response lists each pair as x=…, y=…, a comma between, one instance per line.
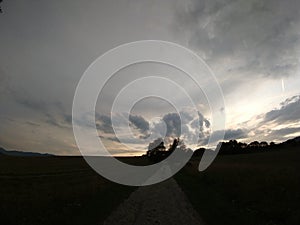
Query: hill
x=21, y=153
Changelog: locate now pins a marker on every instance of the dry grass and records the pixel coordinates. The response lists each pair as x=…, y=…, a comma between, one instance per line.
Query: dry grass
x=262, y=188
x=55, y=190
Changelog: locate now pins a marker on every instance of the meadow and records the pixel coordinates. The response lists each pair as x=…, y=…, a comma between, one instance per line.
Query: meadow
x=55, y=190
x=257, y=188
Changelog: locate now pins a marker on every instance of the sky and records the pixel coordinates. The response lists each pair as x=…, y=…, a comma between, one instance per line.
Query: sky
x=253, y=48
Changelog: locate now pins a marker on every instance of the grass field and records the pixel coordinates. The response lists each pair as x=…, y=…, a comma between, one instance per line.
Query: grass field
x=259, y=188
x=55, y=190
x=248, y=189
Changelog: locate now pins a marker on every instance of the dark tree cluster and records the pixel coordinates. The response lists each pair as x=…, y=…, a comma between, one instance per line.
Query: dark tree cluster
x=235, y=147
x=158, y=152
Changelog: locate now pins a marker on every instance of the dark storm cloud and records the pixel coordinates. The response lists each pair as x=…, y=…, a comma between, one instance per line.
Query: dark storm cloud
x=103, y=123
x=140, y=123
x=260, y=37
x=53, y=113
x=229, y=134
x=114, y=138
x=278, y=123
x=285, y=131
x=170, y=125
x=200, y=122
x=173, y=123
x=185, y=125
x=289, y=112
x=173, y=126
x=186, y=117
x=235, y=134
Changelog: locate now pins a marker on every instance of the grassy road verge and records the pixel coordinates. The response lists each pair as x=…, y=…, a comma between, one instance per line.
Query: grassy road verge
x=262, y=188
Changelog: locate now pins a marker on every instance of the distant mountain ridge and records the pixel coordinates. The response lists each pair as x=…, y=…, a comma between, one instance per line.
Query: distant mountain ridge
x=22, y=154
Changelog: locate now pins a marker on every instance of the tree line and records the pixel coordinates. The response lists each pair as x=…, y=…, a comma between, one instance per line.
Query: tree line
x=157, y=150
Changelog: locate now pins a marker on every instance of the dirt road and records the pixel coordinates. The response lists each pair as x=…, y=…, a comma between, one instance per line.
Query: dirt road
x=163, y=203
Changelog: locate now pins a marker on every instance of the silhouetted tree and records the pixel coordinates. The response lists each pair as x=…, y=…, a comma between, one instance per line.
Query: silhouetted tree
x=234, y=147
x=157, y=150
x=174, y=145
x=242, y=145
x=263, y=144
x=254, y=144
x=199, y=152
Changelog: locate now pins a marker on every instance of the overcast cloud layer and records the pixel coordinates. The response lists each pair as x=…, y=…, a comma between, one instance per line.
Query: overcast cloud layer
x=251, y=46
x=256, y=37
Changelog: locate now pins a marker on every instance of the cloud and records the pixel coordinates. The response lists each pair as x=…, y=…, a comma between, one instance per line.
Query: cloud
x=235, y=134
x=186, y=117
x=200, y=122
x=276, y=124
x=140, y=123
x=254, y=37
x=185, y=125
x=35, y=105
x=173, y=123
x=229, y=134
x=53, y=113
x=285, y=131
x=192, y=128
x=289, y=112
x=103, y=123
